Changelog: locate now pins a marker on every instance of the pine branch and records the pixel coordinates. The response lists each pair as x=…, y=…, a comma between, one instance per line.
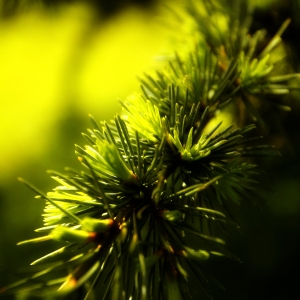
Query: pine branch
x=139, y=219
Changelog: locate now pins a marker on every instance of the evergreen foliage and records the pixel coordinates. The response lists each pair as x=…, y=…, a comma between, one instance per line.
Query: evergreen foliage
x=139, y=220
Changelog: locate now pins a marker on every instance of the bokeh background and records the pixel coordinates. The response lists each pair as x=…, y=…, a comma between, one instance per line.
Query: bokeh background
x=63, y=60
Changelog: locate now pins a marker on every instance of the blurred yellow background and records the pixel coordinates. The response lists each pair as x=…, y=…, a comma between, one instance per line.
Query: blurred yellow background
x=51, y=62
x=56, y=67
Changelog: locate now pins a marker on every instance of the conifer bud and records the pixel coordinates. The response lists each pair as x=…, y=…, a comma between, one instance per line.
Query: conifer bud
x=172, y=216
x=96, y=225
x=195, y=254
x=65, y=234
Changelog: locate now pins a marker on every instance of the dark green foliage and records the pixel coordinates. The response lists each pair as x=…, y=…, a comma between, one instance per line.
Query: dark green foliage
x=140, y=220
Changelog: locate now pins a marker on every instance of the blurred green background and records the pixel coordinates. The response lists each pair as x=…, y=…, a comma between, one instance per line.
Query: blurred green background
x=60, y=61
